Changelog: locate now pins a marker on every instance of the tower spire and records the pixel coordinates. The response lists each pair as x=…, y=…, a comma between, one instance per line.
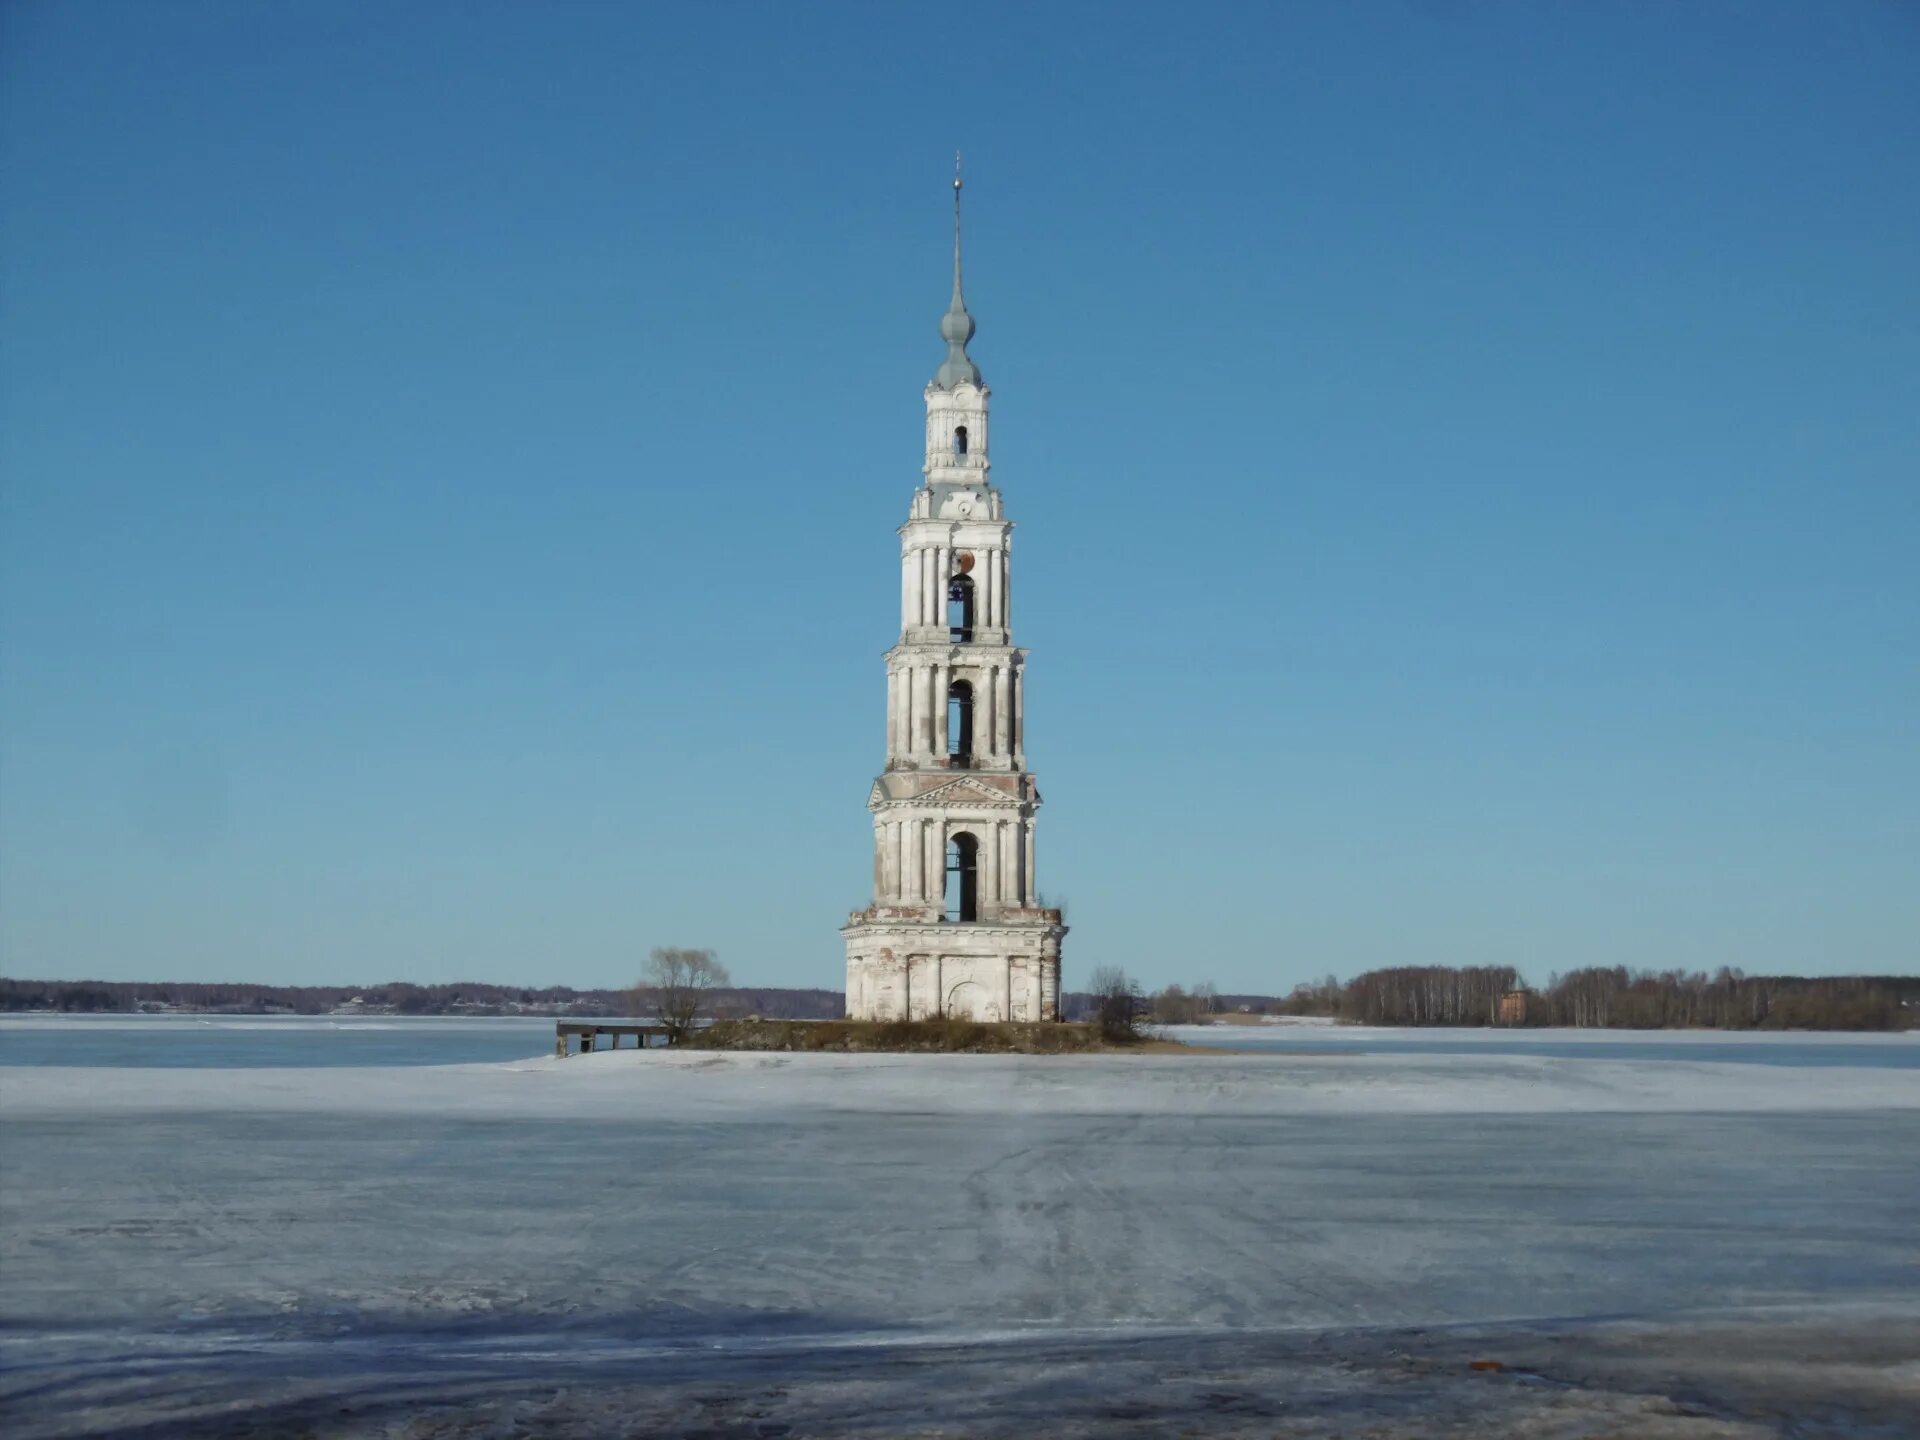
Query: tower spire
x=956, y=326
x=958, y=302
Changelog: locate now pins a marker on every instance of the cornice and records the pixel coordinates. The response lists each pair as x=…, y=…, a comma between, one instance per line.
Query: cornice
x=947, y=650
x=986, y=929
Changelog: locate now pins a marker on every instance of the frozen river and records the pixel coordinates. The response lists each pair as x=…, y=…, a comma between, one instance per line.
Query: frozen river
x=276, y=1041
x=248, y=1042
x=1298, y=1242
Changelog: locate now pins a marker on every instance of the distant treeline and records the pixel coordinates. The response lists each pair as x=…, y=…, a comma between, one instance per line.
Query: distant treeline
x=1616, y=998
x=394, y=998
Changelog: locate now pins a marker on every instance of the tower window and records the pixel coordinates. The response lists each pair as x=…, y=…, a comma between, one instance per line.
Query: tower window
x=963, y=879
x=960, y=608
x=959, y=725
x=959, y=439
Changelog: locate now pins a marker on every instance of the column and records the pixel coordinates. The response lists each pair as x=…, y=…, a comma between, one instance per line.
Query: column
x=893, y=713
x=1026, y=848
x=1002, y=737
x=983, y=713
x=1018, y=701
x=1004, y=562
x=910, y=679
x=942, y=681
x=936, y=859
x=987, y=865
x=1010, y=861
x=1006, y=999
x=908, y=560
x=923, y=725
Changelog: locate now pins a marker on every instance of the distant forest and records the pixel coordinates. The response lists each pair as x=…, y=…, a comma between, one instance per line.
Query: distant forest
x=393, y=998
x=1597, y=998
x=1614, y=999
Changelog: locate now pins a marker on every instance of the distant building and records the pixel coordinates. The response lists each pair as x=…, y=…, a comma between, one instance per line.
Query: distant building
x=1513, y=1007
x=956, y=927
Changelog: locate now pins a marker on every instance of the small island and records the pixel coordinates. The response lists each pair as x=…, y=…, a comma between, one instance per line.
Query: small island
x=915, y=1037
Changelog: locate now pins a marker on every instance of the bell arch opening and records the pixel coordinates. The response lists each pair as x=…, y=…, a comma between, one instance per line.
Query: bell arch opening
x=960, y=608
x=959, y=725
x=963, y=879
x=959, y=439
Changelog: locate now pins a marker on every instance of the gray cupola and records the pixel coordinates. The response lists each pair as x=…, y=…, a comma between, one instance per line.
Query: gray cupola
x=956, y=326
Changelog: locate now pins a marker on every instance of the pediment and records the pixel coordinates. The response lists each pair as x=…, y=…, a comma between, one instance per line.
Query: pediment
x=966, y=790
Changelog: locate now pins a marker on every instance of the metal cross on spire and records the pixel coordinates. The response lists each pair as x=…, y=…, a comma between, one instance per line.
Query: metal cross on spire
x=957, y=186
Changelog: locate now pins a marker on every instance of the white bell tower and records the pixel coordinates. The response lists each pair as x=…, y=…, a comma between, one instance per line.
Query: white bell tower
x=955, y=928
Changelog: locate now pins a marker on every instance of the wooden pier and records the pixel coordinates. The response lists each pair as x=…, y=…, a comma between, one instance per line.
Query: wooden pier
x=590, y=1032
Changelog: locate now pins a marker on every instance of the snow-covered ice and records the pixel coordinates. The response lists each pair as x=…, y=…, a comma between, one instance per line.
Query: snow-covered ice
x=1285, y=1243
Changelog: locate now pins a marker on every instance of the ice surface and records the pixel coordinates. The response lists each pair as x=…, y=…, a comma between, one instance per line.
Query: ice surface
x=691, y=1085
x=897, y=1244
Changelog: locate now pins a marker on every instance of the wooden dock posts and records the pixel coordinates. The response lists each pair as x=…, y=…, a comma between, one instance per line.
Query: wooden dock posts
x=590, y=1032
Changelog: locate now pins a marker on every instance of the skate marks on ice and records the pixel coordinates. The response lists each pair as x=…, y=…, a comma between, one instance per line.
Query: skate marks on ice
x=1220, y=1246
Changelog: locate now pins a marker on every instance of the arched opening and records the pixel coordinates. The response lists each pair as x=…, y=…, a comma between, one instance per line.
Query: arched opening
x=966, y=1000
x=960, y=608
x=963, y=879
x=959, y=725
x=959, y=439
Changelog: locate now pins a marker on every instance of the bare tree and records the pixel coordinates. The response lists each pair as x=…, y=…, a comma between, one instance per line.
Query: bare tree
x=1117, y=1004
x=1177, y=1006
x=1206, y=999
x=678, y=985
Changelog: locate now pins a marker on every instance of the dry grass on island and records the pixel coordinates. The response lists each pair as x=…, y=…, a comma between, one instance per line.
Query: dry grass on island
x=949, y=1037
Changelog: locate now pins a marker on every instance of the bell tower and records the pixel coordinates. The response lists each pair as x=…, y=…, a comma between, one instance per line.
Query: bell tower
x=955, y=928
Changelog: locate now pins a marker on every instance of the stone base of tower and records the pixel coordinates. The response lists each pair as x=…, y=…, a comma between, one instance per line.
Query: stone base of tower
x=919, y=969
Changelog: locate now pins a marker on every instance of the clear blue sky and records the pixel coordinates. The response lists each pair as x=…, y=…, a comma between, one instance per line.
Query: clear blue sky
x=1467, y=462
